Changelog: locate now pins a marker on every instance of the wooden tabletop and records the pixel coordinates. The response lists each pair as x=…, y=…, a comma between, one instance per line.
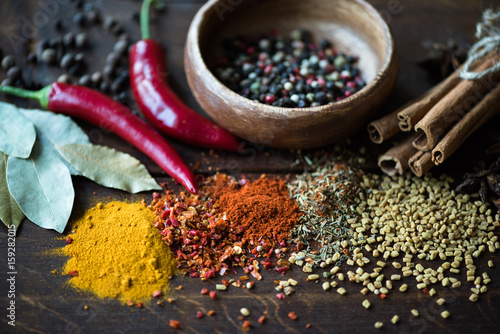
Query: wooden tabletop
x=45, y=304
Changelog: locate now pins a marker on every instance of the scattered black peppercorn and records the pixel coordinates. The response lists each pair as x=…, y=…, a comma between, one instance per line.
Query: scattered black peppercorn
x=96, y=78
x=7, y=62
x=32, y=58
x=69, y=39
x=64, y=78
x=109, y=22
x=93, y=17
x=6, y=82
x=67, y=60
x=14, y=73
x=59, y=51
x=84, y=80
x=49, y=56
x=121, y=46
x=81, y=40
x=79, y=19
x=120, y=82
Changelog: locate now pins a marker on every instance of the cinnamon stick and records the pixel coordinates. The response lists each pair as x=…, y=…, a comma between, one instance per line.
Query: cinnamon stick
x=420, y=163
x=395, y=160
x=479, y=115
x=454, y=105
x=408, y=116
x=383, y=128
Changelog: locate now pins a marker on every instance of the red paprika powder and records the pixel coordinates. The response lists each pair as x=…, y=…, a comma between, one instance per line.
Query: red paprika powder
x=263, y=209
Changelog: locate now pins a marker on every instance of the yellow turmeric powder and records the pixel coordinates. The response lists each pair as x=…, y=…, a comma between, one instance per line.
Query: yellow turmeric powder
x=116, y=252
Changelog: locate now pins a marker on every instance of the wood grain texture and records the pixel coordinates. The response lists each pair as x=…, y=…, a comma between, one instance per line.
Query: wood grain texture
x=44, y=304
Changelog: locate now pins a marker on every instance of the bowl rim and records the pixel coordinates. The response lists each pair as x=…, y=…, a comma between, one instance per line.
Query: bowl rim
x=193, y=44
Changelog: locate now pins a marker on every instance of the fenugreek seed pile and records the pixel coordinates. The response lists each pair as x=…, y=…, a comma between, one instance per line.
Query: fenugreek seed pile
x=409, y=224
x=425, y=220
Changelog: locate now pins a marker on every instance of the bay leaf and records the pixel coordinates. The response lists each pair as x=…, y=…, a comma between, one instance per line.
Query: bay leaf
x=56, y=129
x=17, y=133
x=108, y=167
x=42, y=187
x=10, y=213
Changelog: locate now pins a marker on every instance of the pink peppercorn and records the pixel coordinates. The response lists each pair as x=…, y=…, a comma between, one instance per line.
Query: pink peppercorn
x=270, y=99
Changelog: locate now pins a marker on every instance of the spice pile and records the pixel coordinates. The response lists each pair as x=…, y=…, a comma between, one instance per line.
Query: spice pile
x=116, y=252
x=327, y=198
x=228, y=225
x=288, y=71
x=410, y=222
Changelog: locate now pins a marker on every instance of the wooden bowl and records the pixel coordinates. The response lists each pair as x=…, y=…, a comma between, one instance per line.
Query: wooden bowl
x=353, y=26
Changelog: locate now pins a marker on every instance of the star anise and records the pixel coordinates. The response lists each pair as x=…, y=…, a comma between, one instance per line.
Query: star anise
x=484, y=180
x=442, y=59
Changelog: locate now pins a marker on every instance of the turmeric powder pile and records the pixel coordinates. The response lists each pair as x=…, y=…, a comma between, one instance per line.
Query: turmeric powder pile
x=116, y=252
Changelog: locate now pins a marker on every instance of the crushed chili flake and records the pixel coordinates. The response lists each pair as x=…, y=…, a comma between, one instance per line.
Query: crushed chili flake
x=261, y=319
x=140, y=304
x=130, y=303
x=68, y=240
x=213, y=295
x=175, y=324
x=157, y=294
x=204, y=291
x=211, y=313
x=292, y=315
x=246, y=325
x=199, y=314
x=73, y=273
x=209, y=233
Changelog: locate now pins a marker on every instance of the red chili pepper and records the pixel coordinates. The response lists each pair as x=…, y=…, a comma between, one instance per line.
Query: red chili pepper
x=161, y=107
x=100, y=110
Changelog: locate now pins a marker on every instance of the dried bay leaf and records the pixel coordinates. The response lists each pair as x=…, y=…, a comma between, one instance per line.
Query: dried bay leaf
x=17, y=133
x=42, y=187
x=108, y=167
x=10, y=213
x=55, y=129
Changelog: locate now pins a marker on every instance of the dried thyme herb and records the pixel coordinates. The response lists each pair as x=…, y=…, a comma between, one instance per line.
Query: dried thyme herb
x=326, y=197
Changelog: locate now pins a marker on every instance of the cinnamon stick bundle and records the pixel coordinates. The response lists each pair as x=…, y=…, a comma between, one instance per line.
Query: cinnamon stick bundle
x=479, y=115
x=409, y=115
x=395, y=161
x=454, y=105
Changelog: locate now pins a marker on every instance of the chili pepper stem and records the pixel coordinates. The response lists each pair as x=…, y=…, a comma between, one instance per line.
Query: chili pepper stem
x=42, y=95
x=145, y=18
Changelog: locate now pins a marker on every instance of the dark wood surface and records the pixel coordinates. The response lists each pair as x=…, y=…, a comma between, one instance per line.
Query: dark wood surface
x=44, y=304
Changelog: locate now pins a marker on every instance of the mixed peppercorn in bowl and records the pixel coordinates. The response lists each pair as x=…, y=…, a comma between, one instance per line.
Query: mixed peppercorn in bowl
x=288, y=74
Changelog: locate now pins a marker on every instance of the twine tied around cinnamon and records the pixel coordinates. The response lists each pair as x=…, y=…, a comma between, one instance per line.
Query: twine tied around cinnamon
x=488, y=33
